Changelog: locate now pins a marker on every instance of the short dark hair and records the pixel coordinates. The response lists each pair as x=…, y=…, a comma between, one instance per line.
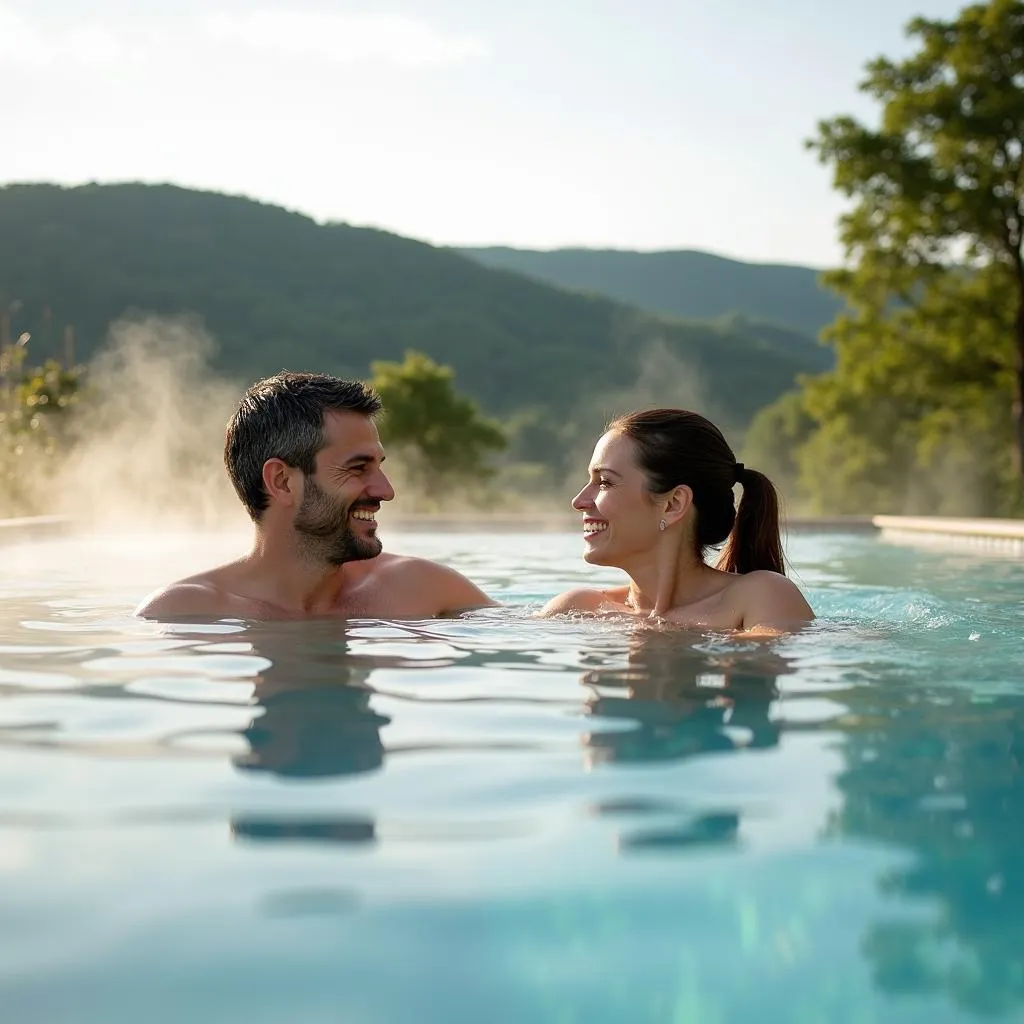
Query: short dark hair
x=674, y=447
x=282, y=417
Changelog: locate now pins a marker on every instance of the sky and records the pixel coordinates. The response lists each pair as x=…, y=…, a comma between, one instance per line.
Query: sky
x=629, y=124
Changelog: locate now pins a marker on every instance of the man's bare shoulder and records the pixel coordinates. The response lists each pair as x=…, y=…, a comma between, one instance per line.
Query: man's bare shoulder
x=451, y=591
x=203, y=594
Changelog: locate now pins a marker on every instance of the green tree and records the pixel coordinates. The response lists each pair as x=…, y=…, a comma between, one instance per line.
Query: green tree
x=443, y=439
x=914, y=417
x=33, y=401
x=938, y=190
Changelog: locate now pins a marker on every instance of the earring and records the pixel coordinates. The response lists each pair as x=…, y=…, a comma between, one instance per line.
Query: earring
x=663, y=525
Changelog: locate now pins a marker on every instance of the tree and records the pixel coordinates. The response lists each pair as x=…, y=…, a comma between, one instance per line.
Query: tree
x=442, y=437
x=939, y=196
x=914, y=417
x=33, y=401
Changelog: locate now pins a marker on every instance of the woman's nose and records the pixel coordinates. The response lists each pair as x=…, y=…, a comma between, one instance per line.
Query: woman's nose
x=583, y=500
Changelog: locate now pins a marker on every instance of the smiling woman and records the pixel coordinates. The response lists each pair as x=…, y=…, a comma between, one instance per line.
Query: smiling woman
x=659, y=498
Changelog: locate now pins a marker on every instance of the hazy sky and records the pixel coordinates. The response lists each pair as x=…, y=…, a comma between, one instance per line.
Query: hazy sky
x=619, y=123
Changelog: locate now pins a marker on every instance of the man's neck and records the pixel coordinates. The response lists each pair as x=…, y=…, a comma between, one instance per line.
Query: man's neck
x=287, y=576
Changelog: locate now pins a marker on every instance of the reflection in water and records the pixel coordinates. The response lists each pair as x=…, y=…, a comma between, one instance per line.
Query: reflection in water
x=316, y=721
x=683, y=702
x=943, y=780
x=314, y=731
x=930, y=774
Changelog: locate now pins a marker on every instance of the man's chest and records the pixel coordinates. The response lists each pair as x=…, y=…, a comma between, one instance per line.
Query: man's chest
x=377, y=600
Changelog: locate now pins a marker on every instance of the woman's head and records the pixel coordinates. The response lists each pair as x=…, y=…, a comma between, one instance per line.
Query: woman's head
x=664, y=469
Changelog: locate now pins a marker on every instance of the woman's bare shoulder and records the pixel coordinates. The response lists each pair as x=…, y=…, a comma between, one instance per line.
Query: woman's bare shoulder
x=583, y=599
x=771, y=601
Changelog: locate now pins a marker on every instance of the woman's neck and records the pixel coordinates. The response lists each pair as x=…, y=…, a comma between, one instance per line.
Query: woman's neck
x=672, y=576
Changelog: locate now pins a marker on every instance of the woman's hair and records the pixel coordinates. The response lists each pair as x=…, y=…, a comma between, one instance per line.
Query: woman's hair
x=676, y=447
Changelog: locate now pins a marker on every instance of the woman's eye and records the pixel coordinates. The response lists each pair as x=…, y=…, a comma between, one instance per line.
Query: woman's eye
x=605, y=483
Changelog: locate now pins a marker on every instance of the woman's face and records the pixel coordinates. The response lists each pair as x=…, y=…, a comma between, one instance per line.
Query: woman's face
x=620, y=520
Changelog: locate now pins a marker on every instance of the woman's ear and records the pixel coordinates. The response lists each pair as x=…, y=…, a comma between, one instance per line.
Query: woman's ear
x=677, y=503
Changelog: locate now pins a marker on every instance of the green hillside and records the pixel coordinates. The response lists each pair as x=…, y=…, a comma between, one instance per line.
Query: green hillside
x=277, y=289
x=679, y=283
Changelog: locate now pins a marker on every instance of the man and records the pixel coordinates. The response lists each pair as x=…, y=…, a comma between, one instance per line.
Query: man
x=305, y=458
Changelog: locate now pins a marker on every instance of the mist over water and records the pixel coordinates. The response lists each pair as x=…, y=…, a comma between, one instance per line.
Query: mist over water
x=145, y=440
x=147, y=435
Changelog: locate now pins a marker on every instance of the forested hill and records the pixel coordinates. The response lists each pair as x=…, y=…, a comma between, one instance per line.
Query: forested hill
x=278, y=289
x=680, y=283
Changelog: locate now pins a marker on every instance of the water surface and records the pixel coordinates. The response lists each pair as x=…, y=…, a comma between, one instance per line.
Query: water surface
x=498, y=818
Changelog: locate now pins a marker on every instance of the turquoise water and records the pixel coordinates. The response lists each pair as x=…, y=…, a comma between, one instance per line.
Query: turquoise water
x=503, y=819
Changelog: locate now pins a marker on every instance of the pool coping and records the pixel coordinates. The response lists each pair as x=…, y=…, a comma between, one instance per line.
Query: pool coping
x=1004, y=537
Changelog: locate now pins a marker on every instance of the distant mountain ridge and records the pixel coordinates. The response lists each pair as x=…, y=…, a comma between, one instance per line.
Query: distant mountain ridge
x=684, y=283
x=277, y=289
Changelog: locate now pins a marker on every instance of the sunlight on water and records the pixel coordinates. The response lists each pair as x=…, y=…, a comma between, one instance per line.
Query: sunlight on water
x=498, y=818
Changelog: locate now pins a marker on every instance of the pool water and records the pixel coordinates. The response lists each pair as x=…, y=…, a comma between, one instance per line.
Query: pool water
x=498, y=818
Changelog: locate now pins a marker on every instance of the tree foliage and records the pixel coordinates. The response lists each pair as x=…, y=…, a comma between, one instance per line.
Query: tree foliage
x=915, y=417
x=33, y=401
x=442, y=436
x=923, y=409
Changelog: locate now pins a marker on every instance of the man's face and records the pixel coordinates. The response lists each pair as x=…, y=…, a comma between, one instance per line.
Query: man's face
x=335, y=520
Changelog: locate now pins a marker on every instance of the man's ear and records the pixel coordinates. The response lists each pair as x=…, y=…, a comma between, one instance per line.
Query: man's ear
x=283, y=483
x=677, y=503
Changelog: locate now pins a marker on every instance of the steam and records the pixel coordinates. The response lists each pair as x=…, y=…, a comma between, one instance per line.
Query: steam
x=147, y=435
x=663, y=379
x=142, y=449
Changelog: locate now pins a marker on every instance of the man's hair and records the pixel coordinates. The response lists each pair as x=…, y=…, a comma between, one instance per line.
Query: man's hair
x=282, y=417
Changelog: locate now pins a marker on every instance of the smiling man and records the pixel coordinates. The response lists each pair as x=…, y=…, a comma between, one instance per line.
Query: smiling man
x=305, y=458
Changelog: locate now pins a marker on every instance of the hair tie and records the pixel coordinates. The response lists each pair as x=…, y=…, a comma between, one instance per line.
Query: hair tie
x=739, y=471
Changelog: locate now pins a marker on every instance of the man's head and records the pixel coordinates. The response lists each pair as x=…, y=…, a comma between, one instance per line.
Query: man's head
x=304, y=447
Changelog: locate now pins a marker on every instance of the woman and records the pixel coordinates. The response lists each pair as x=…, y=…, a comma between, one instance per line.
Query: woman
x=660, y=495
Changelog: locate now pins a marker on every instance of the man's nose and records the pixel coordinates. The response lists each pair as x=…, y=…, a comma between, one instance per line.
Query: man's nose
x=382, y=489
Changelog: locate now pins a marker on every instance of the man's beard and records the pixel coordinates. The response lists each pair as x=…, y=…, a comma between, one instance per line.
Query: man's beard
x=325, y=533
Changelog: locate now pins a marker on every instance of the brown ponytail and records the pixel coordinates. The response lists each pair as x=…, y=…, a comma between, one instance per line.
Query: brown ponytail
x=673, y=447
x=754, y=541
